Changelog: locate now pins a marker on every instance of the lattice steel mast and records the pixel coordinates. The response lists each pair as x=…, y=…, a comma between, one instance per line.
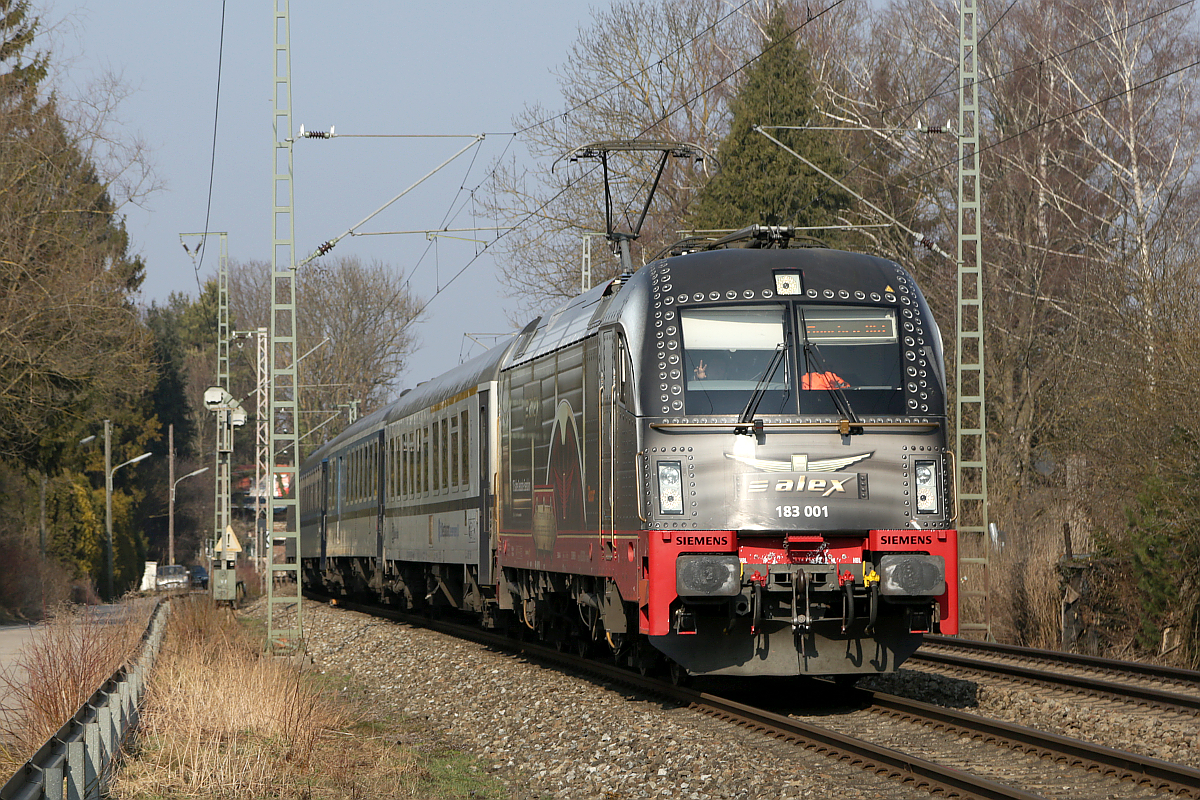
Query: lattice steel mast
x=970, y=441
x=284, y=439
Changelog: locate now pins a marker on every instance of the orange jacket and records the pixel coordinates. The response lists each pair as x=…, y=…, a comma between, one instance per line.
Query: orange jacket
x=821, y=380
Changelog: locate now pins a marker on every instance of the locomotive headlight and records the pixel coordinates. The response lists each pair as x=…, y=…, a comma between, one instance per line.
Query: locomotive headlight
x=927, y=492
x=912, y=575
x=670, y=487
x=708, y=576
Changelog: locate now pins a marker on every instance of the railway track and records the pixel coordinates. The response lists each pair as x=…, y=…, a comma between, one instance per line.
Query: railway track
x=942, y=751
x=1147, y=685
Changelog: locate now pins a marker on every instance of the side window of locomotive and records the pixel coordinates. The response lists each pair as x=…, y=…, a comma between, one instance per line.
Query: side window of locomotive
x=727, y=351
x=623, y=384
x=853, y=349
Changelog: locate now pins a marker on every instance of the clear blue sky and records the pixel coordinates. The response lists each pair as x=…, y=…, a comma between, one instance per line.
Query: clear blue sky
x=369, y=67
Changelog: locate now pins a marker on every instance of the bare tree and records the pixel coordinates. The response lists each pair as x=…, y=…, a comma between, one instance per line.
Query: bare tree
x=645, y=69
x=355, y=324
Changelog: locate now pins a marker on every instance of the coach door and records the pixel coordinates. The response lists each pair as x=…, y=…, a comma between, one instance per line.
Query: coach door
x=618, y=443
x=339, y=491
x=485, y=490
x=608, y=454
x=324, y=524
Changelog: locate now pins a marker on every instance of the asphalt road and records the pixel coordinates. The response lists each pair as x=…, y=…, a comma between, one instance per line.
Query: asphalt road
x=12, y=639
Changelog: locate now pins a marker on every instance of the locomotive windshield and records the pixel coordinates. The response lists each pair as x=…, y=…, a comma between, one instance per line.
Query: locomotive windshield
x=727, y=350
x=846, y=349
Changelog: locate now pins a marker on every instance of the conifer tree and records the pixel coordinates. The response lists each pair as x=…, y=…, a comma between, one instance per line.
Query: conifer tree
x=759, y=182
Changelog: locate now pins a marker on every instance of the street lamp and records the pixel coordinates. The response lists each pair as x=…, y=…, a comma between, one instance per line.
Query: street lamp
x=171, y=516
x=108, y=488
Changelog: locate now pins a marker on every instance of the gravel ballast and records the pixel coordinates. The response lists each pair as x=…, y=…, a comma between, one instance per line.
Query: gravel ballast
x=546, y=734
x=550, y=735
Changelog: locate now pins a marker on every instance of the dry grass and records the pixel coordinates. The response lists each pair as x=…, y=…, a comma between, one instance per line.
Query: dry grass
x=1028, y=585
x=223, y=720
x=66, y=661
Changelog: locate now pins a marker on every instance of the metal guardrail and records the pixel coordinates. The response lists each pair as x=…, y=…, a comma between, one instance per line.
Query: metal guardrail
x=76, y=763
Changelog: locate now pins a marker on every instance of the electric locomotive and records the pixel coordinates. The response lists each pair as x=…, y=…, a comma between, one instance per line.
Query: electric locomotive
x=730, y=462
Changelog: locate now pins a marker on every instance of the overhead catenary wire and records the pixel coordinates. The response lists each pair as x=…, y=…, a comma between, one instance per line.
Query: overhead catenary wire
x=683, y=104
x=626, y=79
x=328, y=245
x=1060, y=117
x=920, y=238
x=212, y=165
x=938, y=92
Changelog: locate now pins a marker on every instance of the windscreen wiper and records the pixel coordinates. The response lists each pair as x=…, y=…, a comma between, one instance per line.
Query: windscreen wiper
x=835, y=391
x=839, y=397
x=760, y=389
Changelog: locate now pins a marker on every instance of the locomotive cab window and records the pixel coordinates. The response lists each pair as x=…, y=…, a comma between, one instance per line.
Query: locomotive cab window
x=728, y=351
x=853, y=350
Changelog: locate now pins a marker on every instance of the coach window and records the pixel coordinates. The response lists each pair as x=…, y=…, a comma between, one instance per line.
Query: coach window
x=412, y=464
x=445, y=454
x=405, y=472
x=408, y=465
x=465, y=457
x=728, y=352
x=395, y=463
x=454, y=444
x=409, y=482
x=426, y=457
x=373, y=473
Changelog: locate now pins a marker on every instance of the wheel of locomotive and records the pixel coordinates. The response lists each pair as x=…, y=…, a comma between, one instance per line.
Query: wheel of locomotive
x=679, y=675
x=583, y=647
x=647, y=660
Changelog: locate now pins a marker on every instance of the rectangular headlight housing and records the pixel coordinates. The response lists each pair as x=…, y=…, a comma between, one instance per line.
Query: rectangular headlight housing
x=670, y=487
x=912, y=575
x=708, y=576
x=927, y=487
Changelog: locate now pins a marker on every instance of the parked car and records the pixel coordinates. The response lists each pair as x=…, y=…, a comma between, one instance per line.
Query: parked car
x=199, y=577
x=173, y=576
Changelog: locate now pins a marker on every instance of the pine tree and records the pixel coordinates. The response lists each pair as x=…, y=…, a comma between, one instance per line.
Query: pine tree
x=20, y=73
x=759, y=182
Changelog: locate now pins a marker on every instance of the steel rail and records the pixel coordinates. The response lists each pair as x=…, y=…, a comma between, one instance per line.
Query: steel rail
x=1073, y=659
x=1156, y=698
x=1143, y=770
